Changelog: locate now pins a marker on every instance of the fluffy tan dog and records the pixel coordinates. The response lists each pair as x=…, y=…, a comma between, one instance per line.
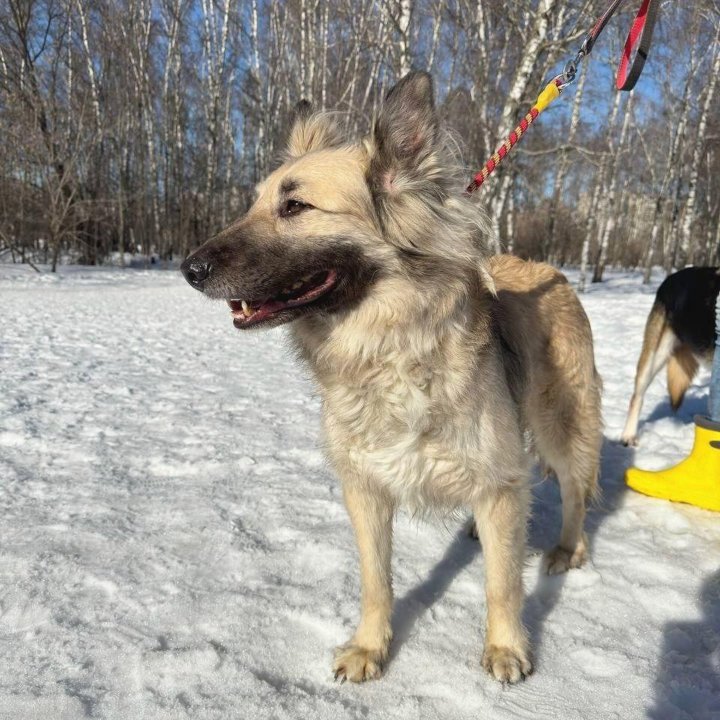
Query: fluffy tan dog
x=433, y=358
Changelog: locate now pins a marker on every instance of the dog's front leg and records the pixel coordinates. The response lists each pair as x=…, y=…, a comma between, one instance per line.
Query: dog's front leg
x=501, y=522
x=371, y=513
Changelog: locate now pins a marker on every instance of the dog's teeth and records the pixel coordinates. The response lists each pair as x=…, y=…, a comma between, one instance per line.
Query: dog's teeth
x=247, y=310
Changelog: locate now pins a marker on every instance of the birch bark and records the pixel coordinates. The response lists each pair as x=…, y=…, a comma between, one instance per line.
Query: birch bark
x=537, y=32
x=697, y=156
x=404, y=17
x=611, y=196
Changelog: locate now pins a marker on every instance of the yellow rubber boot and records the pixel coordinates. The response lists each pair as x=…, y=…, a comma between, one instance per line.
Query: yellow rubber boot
x=696, y=480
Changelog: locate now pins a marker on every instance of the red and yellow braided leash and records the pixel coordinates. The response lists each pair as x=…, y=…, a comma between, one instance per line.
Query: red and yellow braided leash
x=550, y=93
x=638, y=42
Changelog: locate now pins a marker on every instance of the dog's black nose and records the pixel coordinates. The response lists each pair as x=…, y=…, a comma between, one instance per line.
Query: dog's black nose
x=196, y=271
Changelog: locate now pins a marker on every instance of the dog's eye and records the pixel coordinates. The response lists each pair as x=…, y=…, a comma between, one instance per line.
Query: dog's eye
x=293, y=207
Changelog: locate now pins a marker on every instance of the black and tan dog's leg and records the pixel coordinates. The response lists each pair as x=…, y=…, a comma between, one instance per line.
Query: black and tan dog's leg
x=658, y=344
x=371, y=512
x=501, y=522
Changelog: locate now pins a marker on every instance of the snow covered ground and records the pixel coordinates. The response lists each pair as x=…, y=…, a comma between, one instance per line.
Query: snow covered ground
x=172, y=544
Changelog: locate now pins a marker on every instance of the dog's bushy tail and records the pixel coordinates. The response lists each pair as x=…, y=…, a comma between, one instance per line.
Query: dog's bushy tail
x=681, y=369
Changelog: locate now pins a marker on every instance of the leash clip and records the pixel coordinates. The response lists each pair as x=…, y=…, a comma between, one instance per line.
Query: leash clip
x=567, y=77
x=568, y=74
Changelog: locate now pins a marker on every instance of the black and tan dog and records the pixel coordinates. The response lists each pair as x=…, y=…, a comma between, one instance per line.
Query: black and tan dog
x=433, y=357
x=679, y=333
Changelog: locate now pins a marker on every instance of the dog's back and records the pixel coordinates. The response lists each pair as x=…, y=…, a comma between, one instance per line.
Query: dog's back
x=679, y=333
x=687, y=298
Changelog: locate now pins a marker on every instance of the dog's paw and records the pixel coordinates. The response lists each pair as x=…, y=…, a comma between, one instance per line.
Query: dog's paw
x=505, y=664
x=358, y=664
x=560, y=560
x=629, y=440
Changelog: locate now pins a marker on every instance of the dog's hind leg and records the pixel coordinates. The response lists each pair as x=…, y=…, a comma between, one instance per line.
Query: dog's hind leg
x=501, y=519
x=568, y=436
x=681, y=369
x=371, y=513
x=572, y=550
x=659, y=342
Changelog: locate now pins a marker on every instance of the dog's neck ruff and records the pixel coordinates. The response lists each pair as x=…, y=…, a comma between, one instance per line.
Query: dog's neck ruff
x=399, y=379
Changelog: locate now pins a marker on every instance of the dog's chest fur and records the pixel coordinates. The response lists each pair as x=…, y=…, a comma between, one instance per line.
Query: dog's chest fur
x=417, y=410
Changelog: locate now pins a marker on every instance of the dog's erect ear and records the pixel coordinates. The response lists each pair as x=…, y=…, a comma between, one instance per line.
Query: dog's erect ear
x=311, y=131
x=406, y=128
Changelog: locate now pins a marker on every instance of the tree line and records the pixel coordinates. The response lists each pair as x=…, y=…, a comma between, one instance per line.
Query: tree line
x=140, y=127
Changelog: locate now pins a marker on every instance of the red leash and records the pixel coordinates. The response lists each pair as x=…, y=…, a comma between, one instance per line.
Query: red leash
x=637, y=43
x=640, y=37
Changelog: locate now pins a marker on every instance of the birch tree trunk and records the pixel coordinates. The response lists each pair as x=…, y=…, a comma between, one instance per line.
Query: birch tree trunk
x=404, y=30
x=537, y=33
x=437, y=25
x=324, y=34
x=697, y=156
x=563, y=166
x=672, y=236
x=89, y=63
x=591, y=222
x=214, y=49
x=611, y=196
x=671, y=174
x=261, y=110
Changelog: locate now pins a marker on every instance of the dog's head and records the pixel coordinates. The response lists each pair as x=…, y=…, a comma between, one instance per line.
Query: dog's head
x=338, y=216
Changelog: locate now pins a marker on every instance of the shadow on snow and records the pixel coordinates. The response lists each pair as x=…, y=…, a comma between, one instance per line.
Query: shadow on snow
x=544, y=531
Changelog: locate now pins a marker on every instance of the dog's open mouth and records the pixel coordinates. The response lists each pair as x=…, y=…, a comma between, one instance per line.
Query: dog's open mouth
x=303, y=292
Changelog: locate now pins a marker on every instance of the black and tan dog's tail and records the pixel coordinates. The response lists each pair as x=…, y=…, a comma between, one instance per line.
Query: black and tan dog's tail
x=681, y=370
